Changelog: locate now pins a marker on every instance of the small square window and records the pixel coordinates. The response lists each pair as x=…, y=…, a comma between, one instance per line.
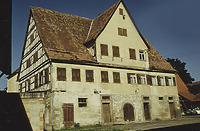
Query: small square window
x=145, y=98
x=121, y=11
x=82, y=102
x=105, y=97
x=170, y=98
x=160, y=98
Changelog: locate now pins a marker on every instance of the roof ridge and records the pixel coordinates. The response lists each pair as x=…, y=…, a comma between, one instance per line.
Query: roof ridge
x=59, y=12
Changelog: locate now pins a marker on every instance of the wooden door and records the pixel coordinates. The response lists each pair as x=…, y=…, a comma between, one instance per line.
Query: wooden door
x=128, y=112
x=68, y=112
x=146, y=112
x=106, y=112
x=172, y=110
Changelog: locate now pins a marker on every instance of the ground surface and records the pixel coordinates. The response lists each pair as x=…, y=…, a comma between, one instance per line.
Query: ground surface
x=185, y=120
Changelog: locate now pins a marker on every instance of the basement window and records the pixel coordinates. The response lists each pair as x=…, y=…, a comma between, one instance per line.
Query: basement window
x=82, y=102
x=160, y=98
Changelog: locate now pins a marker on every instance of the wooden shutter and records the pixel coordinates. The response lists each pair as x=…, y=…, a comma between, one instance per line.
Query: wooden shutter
x=166, y=81
x=115, y=51
x=104, y=76
x=132, y=54
x=104, y=50
x=120, y=31
x=89, y=76
x=121, y=11
x=138, y=78
x=116, y=77
x=124, y=32
x=174, y=81
x=159, y=81
x=129, y=78
x=76, y=75
x=149, y=80
x=46, y=75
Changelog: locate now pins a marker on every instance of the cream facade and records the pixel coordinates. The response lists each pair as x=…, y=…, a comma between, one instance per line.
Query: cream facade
x=107, y=79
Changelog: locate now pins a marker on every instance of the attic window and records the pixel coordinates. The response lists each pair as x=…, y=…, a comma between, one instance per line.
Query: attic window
x=142, y=55
x=122, y=31
x=104, y=50
x=121, y=11
x=115, y=51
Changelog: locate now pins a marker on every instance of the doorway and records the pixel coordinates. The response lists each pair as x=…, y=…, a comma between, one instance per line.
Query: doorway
x=68, y=114
x=128, y=112
x=147, y=112
x=106, y=112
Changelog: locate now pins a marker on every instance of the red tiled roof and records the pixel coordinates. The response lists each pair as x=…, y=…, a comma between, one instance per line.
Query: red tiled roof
x=183, y=90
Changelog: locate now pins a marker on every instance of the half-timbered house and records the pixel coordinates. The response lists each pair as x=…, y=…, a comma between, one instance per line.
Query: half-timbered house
x=95, y=71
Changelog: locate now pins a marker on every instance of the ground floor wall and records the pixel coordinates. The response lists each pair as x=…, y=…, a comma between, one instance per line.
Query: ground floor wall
x=91, y=109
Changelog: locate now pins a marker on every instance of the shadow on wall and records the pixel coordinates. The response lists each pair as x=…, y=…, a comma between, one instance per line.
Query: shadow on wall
x=12, y=113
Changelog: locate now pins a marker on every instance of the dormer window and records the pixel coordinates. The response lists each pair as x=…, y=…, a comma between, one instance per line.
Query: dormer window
x=142, y=54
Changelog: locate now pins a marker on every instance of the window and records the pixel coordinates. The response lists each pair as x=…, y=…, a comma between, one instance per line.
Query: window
x=174, y=81
x=160, y=98
x=104, y=50
x=82, y=102
x=116, y=77
x=104, y=77
x=132, y=54
x=162, y=81
x=122, y=31
x=121, y=11
x=31, y=37
x=28, y=63
x=141, y=79
x=61, y=74
x=145, y=98
x=36, y=81
x=115, y=51
x=142, y=55
x=154, y=82
x=35, y=57
x=131, y=78
x=105, y=97
x=29, y=85
x=41, y=78
x=46, y=75
x=89, y=76
x=170, y=81
x=170, y=98
x=76, y=75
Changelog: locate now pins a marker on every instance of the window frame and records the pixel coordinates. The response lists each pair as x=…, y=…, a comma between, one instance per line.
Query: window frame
x=82, y=102
x=116, y=77
x=61, y=74
x=76, y=77
x=89, y=73
x=104, y=77
x=142, y=55
x=132, y=79
x=104, y=49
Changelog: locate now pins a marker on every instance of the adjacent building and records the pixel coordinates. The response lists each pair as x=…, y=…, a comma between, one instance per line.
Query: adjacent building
x=94, y=71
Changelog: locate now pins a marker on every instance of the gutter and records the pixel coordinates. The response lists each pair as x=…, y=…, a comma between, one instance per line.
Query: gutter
x=89, y=30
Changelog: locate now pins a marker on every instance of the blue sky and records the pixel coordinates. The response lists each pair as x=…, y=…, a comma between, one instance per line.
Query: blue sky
x=171, y=26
